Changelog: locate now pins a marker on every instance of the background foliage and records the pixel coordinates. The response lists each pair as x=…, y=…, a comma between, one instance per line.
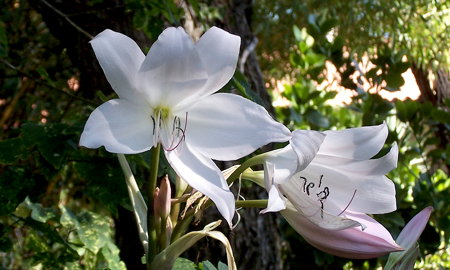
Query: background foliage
x=62, y=206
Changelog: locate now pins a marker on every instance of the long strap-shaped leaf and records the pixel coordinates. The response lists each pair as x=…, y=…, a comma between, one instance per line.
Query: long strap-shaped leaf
x=137, y=201
x=167, y=257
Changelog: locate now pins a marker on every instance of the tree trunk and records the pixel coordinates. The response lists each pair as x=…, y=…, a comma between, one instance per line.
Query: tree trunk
x=74, y=23
x=437, y=97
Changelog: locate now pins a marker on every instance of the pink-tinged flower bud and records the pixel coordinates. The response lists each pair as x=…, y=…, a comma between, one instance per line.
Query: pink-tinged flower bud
x=156, y=203
x=407, y=239
x=162, y=201
x=355, y=243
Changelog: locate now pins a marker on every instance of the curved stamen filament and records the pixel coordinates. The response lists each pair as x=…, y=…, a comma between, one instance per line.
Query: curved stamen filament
x=176, y=128
x=350, y=202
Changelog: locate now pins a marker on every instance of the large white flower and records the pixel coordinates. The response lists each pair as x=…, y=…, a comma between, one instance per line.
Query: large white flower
x=167, y=97
x=330, y=175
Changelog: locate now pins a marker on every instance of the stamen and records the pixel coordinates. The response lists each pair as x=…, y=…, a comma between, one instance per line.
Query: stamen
x=310, y=185
x=233, y=226
x=157, y=127
x=154, y=124
x=348, y=203
x=304, y=183
x=178, y=129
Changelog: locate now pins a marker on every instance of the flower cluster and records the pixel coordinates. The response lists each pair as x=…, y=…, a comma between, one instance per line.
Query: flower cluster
x=323, y=183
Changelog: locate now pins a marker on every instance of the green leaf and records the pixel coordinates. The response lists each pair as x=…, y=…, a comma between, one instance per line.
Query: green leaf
x=297, y=33
x=38, y=212
x=52, y=140
x=15, y=185
x=315, y=118
x=330, y=95
x=207, y=265
x=166, y=258
x=184, y=264
x=12, y=150
x=394, y=81
x=222, y=266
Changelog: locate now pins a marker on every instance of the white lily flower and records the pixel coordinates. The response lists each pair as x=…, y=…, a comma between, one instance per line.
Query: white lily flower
x=329, y=175
x=167, y=98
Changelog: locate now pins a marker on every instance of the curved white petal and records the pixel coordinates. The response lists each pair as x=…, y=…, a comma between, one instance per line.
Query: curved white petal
x=219, y=52
x=374, y=196
x=354, y=243
x=120, y=58
x=306, y=144
x=202, y=174
x=346, y=191
x=355, y=143
x=121, y=126
x=172, y=70
x=285, y=161
x=372, y=227
x=365, y=168
x=227, y=127
x=276, y=201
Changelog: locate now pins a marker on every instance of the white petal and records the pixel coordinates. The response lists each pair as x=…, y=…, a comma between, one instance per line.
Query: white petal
x=285, y=161
x=349, y=243
x=120, y=58
x=372, y=227
x=374, y=196
x=363, y=168
x=355, y=143
x=219, y=52
x=357, y=192
x=202, y=174
x=228, y=127
x=276, y=201
x=121, y=126
x=172, y=71
x=306, y=143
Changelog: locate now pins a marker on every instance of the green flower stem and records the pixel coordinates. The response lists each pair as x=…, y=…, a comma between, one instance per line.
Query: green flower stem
x=151, y=219
x=252, y=203
x=180, y=188
x=163, y=233
x=256, y=177
x=256, y=160
x=182, y=226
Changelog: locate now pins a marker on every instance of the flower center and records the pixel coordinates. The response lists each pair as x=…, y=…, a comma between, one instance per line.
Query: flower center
x=319, y=191
x=168, y=129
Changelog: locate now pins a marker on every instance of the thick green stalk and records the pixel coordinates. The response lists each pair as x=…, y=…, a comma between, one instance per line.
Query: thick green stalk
x=151, y=219
x=259, y=159
x=182, y=226
x=252, y=203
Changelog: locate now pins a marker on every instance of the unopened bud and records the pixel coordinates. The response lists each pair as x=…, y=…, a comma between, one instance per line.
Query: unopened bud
x=162, y=200
x=156, y=206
